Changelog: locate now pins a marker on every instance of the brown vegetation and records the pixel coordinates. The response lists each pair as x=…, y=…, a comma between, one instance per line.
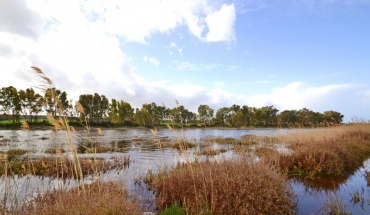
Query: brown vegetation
x=335, y=151
x=230, y=187
x=62, y=167
x=209, y=151
x=99, y=198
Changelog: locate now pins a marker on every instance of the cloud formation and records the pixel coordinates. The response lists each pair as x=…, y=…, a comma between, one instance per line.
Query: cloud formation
x=151, y=60
x=297, y=95
x=80, y=46
x=221, y=24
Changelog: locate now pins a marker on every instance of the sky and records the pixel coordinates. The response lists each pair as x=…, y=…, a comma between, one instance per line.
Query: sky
x=292, y=54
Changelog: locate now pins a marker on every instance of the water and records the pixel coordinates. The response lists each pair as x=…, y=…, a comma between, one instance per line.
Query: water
x=146, y=156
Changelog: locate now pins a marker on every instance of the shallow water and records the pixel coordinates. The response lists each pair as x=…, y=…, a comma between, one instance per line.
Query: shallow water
x=146, y=156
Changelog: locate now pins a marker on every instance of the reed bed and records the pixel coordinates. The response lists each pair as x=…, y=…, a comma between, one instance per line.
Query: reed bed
x=334, y=151
x=209, y=151
x=230, y=187
x=63, y=167
x=99, y=198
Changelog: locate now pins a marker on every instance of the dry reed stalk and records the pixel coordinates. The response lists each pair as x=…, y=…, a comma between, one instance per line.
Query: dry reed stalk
x=332, y=151
x=62, y=122
x=229, y=187
x=100, y=198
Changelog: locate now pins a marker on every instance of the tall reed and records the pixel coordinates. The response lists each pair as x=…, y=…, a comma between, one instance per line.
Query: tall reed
x=228, y=187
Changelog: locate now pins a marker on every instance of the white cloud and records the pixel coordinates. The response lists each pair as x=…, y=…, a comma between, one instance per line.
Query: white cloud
x=17, y=18
x=173, y=46
x=152, y=60
x=138, y=20
x=345, y=98
x=188, y=66
x=221, y=24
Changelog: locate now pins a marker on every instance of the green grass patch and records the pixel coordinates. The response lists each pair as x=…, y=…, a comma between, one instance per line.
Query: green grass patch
x=174, y=209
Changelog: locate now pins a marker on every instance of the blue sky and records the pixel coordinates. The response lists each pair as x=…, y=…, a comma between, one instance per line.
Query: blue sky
x=291, y=54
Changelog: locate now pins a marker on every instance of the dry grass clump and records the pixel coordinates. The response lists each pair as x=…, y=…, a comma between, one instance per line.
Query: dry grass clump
x=179, y=144
x=230, y=187
x=13, y=154
x=335, y=151
x=63, y=167
x=245, y=140
x=209, y=151
x=99, y=198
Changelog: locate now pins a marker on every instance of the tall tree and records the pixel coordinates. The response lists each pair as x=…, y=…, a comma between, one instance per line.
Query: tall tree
x=287, y=118
x=205, y=114
x=222, y=116
x=11, y=102
x=56, y=102
x=333, y=117
x=121, y=111
x=32, y=104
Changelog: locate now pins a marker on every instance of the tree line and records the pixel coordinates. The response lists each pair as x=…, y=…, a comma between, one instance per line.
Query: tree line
x=98, y=109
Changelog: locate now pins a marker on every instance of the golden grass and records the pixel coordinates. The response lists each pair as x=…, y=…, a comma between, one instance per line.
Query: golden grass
x=63, y=167
x=230, y=187
x=209, y=151
x=333, y=151
x=100, y=198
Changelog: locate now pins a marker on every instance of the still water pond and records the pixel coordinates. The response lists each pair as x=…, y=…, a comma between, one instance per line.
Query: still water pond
x=146, y=156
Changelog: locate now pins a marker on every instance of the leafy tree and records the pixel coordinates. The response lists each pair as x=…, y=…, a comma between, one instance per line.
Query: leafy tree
x=86, y=100
x=31, y=104
x=205, y=114
x=121, y=111
x=96, y=107
x=247, y=115
x=333, y=117
x=55, y=101
x=150, y=114
x=10, y=101
x=265, y=116
x=222, y=116
x=287, y=118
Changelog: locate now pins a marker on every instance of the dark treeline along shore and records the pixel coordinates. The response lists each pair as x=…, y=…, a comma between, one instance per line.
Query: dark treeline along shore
x=17, y=105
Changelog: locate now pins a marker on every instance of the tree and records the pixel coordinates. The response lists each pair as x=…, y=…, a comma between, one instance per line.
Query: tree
x=86, y=101
x=333, y=117
x=55, y=102
x=222, y=116
x=287, y=118
x=265, y=116
x=11, y=102
x=121, y=111
x=247, y=115
x=31, y=104
x=149, y=114
x=205, y=114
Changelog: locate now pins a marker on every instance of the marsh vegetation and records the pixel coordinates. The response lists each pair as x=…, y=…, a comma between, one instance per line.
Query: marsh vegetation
x=174, y=169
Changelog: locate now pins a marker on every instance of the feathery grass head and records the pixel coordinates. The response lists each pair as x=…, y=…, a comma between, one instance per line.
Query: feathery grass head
x=24, y=125
x=56, y=123
x=46, y=80
x=80, y=108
